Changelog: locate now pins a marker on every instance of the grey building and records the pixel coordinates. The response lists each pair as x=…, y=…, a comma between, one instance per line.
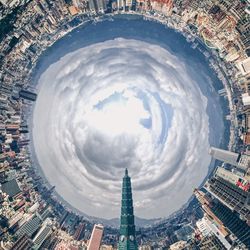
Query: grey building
x=226, y=187
x=29, y=228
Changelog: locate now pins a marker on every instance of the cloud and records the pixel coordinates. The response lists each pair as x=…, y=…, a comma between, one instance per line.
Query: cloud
x=83, y=150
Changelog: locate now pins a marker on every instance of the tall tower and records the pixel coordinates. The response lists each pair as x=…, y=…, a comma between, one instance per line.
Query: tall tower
x=127, y=226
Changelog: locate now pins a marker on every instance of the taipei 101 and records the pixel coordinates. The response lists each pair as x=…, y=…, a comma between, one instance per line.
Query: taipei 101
x=124, y=124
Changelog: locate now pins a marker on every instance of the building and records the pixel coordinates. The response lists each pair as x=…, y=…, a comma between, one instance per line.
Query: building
x=10, y=3
x=224, y=155
x=245, y=99
x=240, y=161
x=239, y=228
x=106, y=247
x=244, y=162
x=29, y=228
x=232, y=190
x=42, y=234
x=184, y=233
x=244, y=66
x=73, y=10
x=179, y=245
x=96, y=237
x=24, y=243
x=79, y=233
x=11, y=188
x=221, y=218
x=127, y=240
x=211, y=242
x=97, y=6
x=207, y=227
x=27, y=95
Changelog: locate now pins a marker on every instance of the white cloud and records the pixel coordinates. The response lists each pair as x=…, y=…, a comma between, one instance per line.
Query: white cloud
x=83, y=150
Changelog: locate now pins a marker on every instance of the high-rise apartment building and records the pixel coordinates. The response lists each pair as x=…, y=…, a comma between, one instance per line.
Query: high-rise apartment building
x=42, y=234
x=23, y=243
x=207, y=228
x=228, y=222
x=240, y=229
x=79, y=233
x=211, y=242
x=29, y=228
x=96, y=237
x=231, y=190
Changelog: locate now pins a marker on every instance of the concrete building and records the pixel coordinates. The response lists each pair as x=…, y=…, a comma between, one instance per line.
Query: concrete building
x=24, y=243
x=231, y=190
x=96, y=237
x=42, y=234
x=224, y=155
x=211, y=242
x=178, y=245
x=224, y=219
x=241, y=161
x=244, y=66
x=29, y=228
x=207, y=227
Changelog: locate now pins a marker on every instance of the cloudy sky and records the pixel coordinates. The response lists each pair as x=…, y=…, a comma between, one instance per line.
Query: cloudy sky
x=118, y=104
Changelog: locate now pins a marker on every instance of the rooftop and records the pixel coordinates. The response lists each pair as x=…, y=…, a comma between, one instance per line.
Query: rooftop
x=11, y=188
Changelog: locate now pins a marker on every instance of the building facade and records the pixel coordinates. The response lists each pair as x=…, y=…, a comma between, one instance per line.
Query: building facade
x=127, y=240
x=96, y=237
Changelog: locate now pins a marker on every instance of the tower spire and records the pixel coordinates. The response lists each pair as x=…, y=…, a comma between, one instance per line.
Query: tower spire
x=127, y=226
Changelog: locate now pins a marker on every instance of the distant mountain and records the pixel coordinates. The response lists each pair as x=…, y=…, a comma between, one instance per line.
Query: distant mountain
x=139, y=222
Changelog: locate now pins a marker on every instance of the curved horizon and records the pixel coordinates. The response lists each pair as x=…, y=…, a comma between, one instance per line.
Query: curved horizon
x=138, y=186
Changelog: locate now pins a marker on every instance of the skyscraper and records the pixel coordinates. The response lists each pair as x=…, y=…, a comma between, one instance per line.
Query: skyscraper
x=30, y=227
x=42, y=234
x=231, y=190
x=96, y=238
x=225, y=155
x=127, y=239
x=224, y=219
x=241, y=161
x=24, y=243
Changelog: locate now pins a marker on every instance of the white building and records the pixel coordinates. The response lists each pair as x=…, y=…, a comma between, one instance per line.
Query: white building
x=207, y=227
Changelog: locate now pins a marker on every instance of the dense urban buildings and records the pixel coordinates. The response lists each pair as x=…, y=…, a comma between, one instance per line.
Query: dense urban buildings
x=32, y=217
